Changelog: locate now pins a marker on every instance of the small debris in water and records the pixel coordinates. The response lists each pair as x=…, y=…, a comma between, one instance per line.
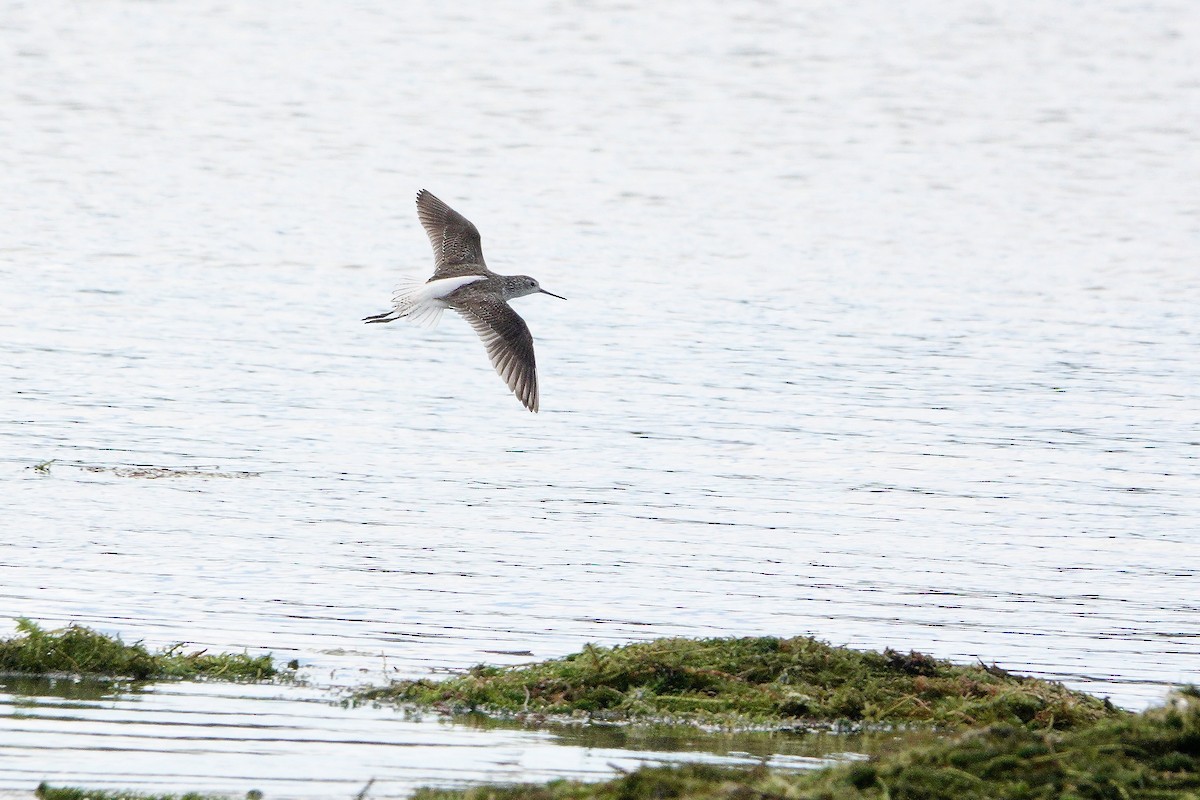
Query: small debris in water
x=141, y=471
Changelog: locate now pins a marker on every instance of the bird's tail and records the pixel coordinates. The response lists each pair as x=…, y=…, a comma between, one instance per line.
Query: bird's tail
x=413, y=301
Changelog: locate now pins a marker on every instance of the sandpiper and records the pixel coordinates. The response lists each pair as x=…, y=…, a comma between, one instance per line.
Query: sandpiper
x=462, y=281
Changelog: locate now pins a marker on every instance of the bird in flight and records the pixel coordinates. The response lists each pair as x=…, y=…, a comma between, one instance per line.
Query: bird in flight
x=463, y=282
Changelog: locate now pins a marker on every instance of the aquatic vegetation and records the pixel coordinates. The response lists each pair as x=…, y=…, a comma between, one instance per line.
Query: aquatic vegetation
x=150, y=472
x=81, y=650
x=145, y=471
x=756, y=681
x=691, y=781
x=47, y=792
x=1149, y=756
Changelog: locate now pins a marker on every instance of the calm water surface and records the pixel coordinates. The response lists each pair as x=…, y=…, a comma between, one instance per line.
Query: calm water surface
x=882, y=328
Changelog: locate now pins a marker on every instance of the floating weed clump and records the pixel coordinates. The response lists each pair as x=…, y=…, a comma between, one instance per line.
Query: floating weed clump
x=151, y=472
x=756, y=681
x=47, y=792
x=1150, y=756
x=81, y=650
x=146, y=471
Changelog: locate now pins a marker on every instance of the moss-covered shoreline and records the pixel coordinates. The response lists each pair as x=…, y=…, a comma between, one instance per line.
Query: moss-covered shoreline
x=755, y=682
x=79, y=650
x=995, y=736
x=1150, y=756
x=1154, y=755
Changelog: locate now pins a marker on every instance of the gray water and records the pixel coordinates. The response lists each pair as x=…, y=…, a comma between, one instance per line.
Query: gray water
x=881, y=327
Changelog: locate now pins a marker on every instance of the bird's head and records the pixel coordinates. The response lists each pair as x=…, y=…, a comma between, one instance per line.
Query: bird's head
x=521, y=285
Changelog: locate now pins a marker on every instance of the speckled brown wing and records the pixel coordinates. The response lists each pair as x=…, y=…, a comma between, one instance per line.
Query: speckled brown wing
x=456, y=247
x=508, y=341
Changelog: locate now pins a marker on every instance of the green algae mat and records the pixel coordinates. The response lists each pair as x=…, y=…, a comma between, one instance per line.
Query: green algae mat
x=748, y=682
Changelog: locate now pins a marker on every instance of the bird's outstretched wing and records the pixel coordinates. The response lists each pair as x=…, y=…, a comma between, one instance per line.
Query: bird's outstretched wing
x=508, y=341
x=455, y=240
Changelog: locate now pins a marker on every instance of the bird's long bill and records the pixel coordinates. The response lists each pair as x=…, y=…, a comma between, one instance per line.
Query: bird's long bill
x=552, y=294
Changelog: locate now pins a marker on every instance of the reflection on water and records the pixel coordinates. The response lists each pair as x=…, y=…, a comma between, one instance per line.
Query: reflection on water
x=232, y=738
x=25, y=690
x=761, y=745
x=882, y=328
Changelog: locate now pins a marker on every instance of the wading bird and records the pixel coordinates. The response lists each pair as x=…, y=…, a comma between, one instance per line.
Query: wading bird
x=462, y=281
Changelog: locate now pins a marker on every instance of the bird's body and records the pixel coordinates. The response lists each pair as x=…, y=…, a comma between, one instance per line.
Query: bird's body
x=462, y=281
